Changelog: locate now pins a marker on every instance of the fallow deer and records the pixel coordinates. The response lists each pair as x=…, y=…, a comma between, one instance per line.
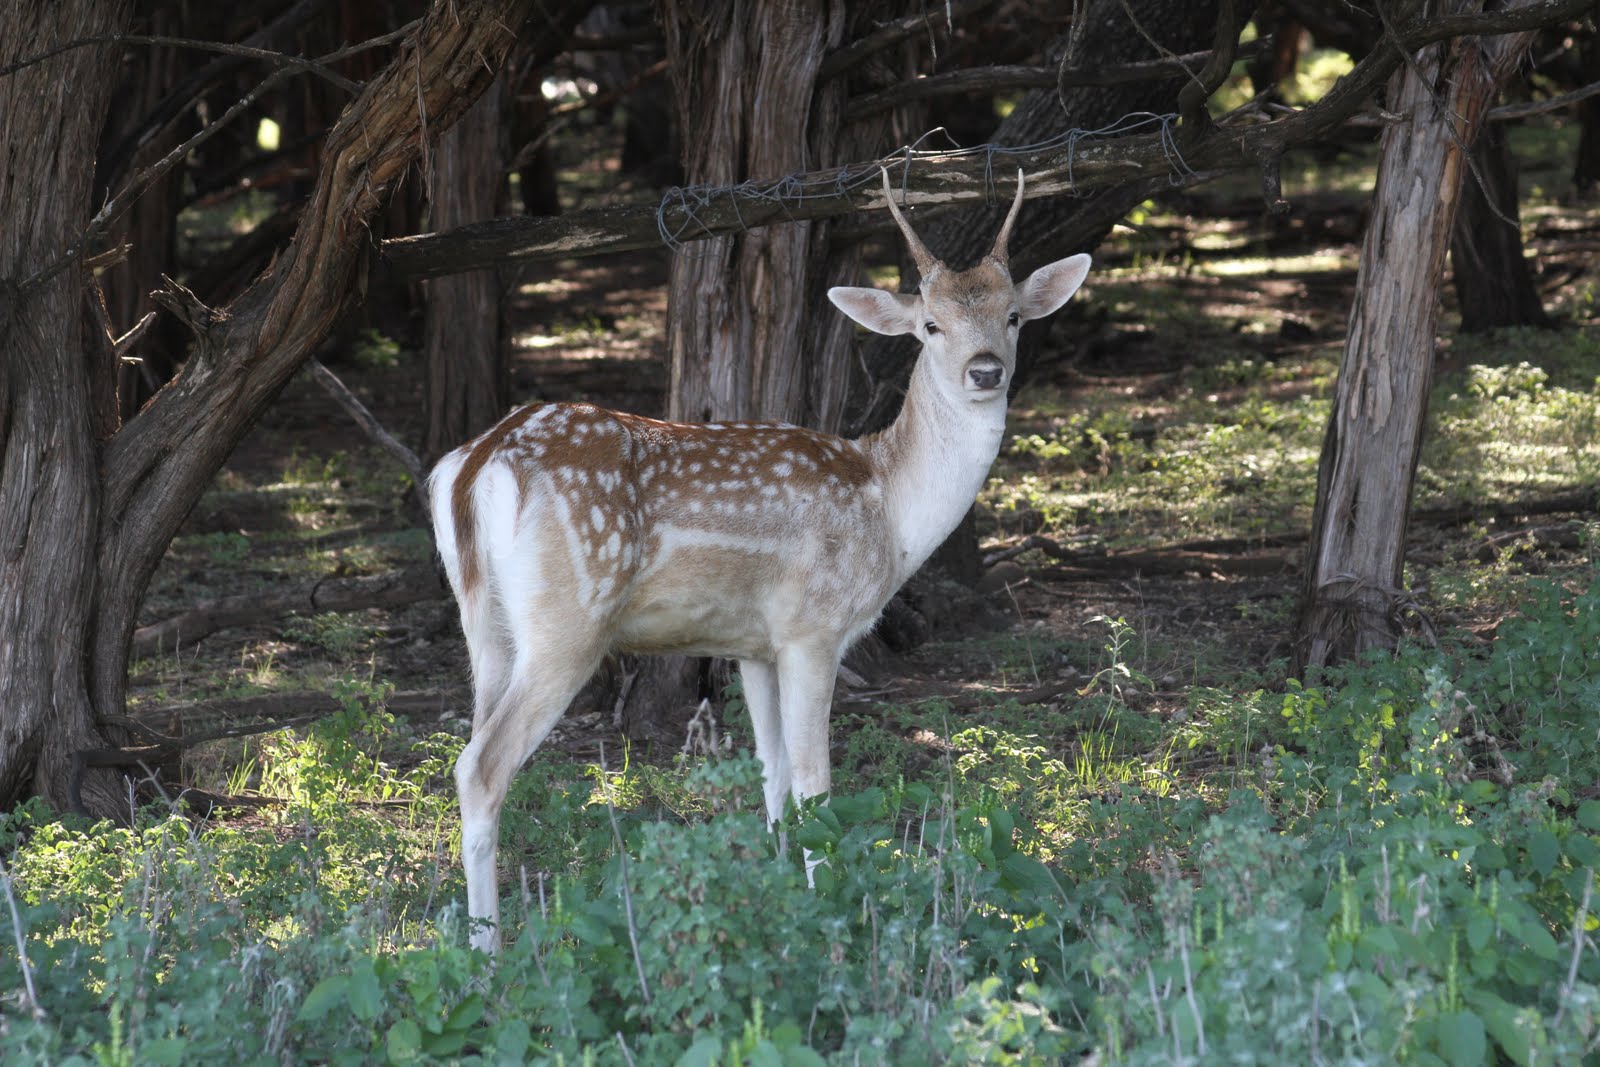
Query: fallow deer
x=569, y=532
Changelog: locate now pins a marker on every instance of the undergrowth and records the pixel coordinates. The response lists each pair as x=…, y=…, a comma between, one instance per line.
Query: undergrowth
x=1391, y=863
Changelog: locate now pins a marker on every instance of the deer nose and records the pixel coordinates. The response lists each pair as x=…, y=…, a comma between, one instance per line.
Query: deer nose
x=985, y=371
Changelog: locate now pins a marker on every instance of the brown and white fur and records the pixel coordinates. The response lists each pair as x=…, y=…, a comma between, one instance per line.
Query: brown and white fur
x=569, y=532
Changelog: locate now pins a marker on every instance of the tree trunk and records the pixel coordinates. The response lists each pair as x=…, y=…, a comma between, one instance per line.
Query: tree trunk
x=469, y=372
x=49, y=493
x=1586, y=168
x=83, y=531
x=1494, y=285
x=1354, y=592
x=740, y=338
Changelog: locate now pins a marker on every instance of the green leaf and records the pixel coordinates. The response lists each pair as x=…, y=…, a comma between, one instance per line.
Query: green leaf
x=323, y=996
x=366, y=997
x=1540, y=941
x=705, y=1052
x=1027, y=874
x=1500, y=1018
x=445, y=1045
x=815, y=835
x=1583, y=851
x=511, y=1038
x=466, y=1014
x=764, y=1054
x=1462, y=1038
x=1543, y=851
x=802, y=1056
x=404, y=1043
x=1589, y=815
x=163, y=1050
x=852, y=811
x=1001, y=827
x=824, y=879
x=1480, y=929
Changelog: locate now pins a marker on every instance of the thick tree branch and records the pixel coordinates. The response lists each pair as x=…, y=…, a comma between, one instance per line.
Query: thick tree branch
x=942, y=178
x=1194, y=94
x=1002, y=78
x=893, y=33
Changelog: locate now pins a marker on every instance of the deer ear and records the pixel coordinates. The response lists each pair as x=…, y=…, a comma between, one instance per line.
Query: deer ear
x=1052, y=285
x=878, y=309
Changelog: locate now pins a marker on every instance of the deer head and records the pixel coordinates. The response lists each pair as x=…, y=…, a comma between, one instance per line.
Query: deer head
x=967, y=321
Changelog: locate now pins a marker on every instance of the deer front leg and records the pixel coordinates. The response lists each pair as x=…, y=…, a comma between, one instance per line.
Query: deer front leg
x=761, y=697
x=805, y=690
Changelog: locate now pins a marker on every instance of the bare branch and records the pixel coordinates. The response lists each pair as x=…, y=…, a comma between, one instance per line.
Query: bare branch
x=893, y=33
x=116, y=205
x=1001, y=78
x=369, y=422
x=1512, y=112
x=300, y=63
x=942, y=178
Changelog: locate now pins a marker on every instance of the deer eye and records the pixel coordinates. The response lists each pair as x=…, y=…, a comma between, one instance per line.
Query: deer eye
x=1014, y=319
x=931, y=326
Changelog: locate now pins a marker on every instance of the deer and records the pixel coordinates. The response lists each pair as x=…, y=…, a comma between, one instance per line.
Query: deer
x=569, y=532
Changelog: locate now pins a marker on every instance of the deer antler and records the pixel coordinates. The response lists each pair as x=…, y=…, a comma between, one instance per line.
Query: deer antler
x=1000, y=254
x=926, y=263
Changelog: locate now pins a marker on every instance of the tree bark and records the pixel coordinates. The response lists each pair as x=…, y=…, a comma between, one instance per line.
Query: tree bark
x=469, y=372
x=1494, y=285
x=741, y=339
x=1586, y=168
x=49, y=491
x=83, y=532
x=1354, y=593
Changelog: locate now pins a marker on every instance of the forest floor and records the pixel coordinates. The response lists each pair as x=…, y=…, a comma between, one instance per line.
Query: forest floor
x=1143, y=529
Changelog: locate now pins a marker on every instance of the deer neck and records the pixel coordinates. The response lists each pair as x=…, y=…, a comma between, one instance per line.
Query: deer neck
x=932, y=462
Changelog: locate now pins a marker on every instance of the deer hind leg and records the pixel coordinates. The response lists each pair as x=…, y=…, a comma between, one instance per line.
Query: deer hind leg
x=530, y=706
x=489, y=649
x=761, y=697
x=547, y=664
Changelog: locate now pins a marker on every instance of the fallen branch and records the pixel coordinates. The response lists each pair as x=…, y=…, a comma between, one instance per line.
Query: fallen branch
x=391, y=590
x=1133, y=564
x=368, y=422
x=260, y=714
